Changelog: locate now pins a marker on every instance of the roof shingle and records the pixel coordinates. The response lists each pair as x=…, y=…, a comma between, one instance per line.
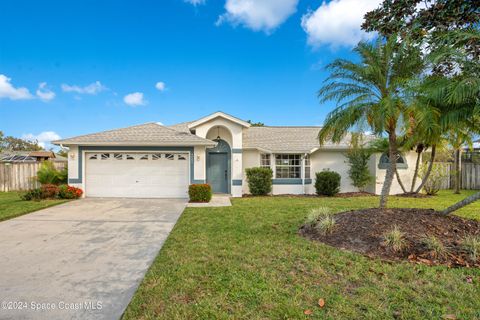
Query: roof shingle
x=144, y=134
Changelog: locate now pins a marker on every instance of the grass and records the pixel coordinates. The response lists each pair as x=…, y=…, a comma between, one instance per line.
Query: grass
x=248, y=262
x=12, y=206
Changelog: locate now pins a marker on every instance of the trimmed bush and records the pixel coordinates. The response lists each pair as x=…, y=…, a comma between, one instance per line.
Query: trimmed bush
x=68, y=192
x=34, y=194
x=259, y=180
x=200, y=192
x=327, y=183
x=50, y=191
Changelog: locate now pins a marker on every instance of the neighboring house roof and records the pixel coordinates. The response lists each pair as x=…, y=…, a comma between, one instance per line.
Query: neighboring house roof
x=218, y=114
x=144, y=134
x=29, y=156
x=288, y=139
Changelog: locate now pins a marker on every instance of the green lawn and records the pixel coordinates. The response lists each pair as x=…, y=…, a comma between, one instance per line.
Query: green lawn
x=12, y=206
x=247, y=262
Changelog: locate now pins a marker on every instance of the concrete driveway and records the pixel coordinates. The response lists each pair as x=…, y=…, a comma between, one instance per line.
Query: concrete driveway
x=81, y=260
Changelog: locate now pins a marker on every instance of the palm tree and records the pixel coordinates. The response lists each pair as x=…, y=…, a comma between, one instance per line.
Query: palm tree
x=371, y=92
x=461, y=90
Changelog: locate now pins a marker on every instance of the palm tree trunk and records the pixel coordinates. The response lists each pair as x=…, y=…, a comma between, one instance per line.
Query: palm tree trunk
x=415, y=174
x=400, y=181
x=392, y=156
x=457, y=171
x=429, y=169
x=462, y=203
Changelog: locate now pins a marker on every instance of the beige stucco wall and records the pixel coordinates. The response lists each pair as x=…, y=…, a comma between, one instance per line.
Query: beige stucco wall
x=333, y=161
x=199, y=163
x=251, y=158
x=230, y=132
x=406, y=175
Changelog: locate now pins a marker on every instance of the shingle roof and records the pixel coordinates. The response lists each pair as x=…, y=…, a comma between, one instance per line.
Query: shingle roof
x=144, y=134
x=288, y=139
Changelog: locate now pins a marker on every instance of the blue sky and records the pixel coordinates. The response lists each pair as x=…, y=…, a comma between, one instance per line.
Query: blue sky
x=76, y=67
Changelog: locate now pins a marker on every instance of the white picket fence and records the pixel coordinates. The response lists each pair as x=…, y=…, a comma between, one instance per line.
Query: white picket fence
x=21, y=176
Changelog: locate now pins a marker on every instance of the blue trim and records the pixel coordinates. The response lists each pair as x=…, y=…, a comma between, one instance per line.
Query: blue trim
x=308, y=181
x=237, y=150
x=287, y=181
x=236, y=182
x=81, y=149
x=198, y=181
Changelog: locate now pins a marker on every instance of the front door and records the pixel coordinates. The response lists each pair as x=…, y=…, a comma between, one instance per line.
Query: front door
x=217, y=172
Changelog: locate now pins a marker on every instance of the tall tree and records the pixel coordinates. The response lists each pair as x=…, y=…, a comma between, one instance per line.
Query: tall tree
x=371, y=92
x=17, y=144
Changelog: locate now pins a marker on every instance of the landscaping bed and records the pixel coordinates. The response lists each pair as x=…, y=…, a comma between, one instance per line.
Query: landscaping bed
x=364, y=231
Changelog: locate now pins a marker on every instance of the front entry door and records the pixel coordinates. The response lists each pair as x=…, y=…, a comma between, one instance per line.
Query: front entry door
x=217, y=172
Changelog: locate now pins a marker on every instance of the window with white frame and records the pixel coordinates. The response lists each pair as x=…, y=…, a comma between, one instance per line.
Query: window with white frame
x=265, y=160
x=288, y=166
x=307, y=166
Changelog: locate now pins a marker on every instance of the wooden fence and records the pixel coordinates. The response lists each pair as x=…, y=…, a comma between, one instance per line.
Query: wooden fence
x=469, y=178
x=21, y=176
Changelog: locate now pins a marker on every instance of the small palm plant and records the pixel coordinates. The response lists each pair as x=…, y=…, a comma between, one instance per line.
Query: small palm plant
x=316, y=214
x=326, y=225
x=433, y=244
x=395, y=239
x=471, y=244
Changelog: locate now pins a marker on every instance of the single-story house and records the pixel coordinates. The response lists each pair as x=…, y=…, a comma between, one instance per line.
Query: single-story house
x=30, y=156
x=155, y=161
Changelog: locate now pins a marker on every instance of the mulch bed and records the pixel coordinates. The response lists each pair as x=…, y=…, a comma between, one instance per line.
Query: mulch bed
x=362, y=231
x=413, y=195
x=338, y=195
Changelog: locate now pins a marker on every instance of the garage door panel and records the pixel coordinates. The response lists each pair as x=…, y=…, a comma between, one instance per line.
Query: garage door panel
x=145, y=175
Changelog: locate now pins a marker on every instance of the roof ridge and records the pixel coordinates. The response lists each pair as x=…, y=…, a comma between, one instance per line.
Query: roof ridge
x=105, y=131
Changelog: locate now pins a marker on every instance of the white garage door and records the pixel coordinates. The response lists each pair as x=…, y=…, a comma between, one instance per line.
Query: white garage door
x=137, y=175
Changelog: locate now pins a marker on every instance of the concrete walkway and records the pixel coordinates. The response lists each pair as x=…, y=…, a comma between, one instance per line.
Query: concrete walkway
x=81, y=260
x=218, y=200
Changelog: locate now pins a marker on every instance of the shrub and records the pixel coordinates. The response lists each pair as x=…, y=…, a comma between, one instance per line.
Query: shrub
x=317, y=213
x=435, y=179
x=326, y=224
x=395, y=239
x=436, y=246
x=47, y=174
x=327, y=183
x=200, y=192
x=259, y=180
x=471, y=245
x=49, y=191
x=358, y=158
x=68, y=192
x=34, y=194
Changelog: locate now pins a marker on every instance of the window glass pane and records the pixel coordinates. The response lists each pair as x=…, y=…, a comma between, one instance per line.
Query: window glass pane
x=144, y=157
x=181, y=157
x=105, y=156
x=118, y=156
x=129, y=157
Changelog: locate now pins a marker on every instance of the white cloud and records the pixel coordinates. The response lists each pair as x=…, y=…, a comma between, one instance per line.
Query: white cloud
x=337, y=23
x=93, y=88
x=7, y=90
x=258, y=15
x=44, y=93
x=44, y=138
x=160, y=86
x=195, y=2
x=135, y=99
